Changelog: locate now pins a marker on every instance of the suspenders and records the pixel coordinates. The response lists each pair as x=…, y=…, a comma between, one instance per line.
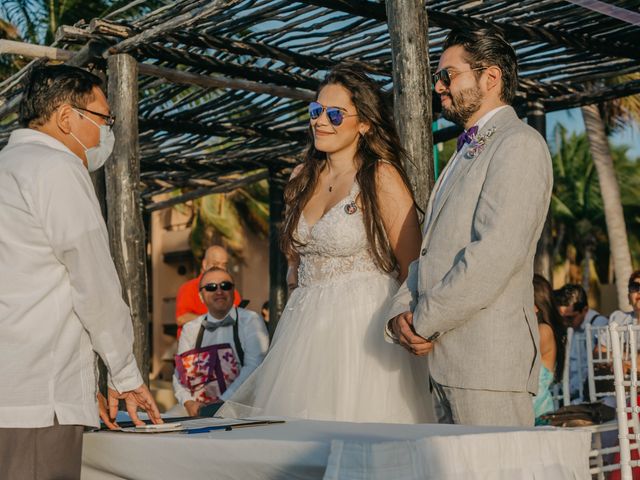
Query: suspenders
x=236, y=338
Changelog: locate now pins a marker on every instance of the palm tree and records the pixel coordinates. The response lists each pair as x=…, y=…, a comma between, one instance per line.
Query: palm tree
x=575, y=203
x=225, y=218
x=8, y=63
x=578, y=211
x=36, y=21
x=615, y=112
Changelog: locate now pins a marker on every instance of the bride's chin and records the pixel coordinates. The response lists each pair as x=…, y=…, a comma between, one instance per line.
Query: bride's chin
x=322, y=146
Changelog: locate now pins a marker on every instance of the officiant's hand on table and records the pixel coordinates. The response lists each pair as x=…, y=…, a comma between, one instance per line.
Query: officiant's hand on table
x=139, y=397
x=402, y=328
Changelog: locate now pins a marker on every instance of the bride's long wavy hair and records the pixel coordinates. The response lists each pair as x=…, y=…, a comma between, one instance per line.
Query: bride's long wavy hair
x=379, y=144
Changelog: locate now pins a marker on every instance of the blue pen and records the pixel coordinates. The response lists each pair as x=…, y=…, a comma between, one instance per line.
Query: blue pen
x=205, y=429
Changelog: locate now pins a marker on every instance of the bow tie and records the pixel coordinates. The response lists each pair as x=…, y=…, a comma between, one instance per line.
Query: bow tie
x=213, y=326
x=466, y=137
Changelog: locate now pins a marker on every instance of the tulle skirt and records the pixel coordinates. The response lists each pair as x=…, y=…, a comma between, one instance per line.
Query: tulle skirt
x=329, y=360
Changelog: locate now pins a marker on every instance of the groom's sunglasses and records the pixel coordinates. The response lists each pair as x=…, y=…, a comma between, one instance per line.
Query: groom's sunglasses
x=445, y=76
x=335, y=114
x=212, y=287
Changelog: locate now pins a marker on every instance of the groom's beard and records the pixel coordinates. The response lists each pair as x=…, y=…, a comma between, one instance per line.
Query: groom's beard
x=463, y=105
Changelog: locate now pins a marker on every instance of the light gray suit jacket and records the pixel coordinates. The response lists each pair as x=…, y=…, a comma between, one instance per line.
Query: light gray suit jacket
x=472, y=288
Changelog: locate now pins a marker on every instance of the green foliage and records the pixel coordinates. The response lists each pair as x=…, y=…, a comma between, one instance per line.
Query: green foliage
x=618, y=113
x=36, y=21
x=444, y=155
x=226, y=217
x=577, y=207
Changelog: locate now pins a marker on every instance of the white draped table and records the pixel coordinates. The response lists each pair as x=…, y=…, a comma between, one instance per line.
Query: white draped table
x=304, y=449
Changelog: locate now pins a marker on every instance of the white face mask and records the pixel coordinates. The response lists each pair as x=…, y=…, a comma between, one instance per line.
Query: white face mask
x=96, y=156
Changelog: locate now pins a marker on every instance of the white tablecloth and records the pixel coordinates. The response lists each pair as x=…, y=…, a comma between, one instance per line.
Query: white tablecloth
x=302, y=449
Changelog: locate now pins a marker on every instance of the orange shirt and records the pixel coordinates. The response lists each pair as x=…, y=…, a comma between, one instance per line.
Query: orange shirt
x=188, y=299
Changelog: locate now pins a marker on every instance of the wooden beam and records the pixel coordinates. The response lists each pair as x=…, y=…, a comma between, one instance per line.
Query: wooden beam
x=204, y=9
x=94, y=50
x=208, y=41
x=126, y=229
x=589, y=97
x=90, y=52
x=220, y=130
x=201, y=192
x=10, y=47
x=277, y=261
x=220, y=81
x=555, y=37
x=543, y=261
x=408, y=29
x=211, y=64
x=256, y=49
x=445, y=134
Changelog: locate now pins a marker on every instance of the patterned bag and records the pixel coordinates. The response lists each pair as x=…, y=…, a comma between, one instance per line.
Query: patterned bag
x=207, y=372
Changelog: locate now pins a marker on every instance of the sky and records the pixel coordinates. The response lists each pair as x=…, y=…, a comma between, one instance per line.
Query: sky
x=572, y=120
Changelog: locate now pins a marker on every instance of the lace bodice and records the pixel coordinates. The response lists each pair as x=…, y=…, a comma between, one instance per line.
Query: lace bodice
x=336, y=245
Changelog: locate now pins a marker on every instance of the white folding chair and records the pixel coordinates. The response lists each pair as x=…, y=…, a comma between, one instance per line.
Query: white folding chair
x=599, y=354
x=624, y=344
x=561, y=392
x=577, y=341
x=597, y=341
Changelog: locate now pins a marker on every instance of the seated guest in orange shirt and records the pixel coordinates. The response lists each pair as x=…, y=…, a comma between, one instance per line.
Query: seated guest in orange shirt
x=188, y=302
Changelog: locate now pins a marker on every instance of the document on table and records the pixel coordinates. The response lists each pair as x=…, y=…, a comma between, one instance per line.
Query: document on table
x=200, y=425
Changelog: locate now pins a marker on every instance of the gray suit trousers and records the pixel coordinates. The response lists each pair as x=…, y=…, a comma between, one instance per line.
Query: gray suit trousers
x=482, y=407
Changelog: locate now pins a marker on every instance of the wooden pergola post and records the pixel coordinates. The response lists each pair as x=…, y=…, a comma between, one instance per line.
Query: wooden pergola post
x=543, y=263
x=277, y=260
x=124, y=214
x=412, y=108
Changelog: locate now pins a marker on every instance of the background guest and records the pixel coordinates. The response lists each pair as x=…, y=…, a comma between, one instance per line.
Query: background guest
x=188, y=302
x=573, y=306
x=553, y=337
x=630, y=318
x=241, y=329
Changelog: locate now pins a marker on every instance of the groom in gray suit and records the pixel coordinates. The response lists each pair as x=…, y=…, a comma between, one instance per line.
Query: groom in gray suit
x=468, y=300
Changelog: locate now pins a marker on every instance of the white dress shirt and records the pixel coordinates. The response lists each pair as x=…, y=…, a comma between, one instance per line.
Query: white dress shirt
x=578, y=354
x=253, y=336
x=60, y=297
x=623, y=318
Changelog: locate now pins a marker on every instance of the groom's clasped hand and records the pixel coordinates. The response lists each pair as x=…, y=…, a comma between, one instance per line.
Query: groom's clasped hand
x=402, y=328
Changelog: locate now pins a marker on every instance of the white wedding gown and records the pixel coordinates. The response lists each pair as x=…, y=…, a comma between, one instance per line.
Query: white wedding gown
x=328, y=359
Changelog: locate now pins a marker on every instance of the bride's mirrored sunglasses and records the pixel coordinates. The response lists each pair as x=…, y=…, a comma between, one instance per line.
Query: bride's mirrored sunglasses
x=445, y=76
x=212, y=287
x=335, y=114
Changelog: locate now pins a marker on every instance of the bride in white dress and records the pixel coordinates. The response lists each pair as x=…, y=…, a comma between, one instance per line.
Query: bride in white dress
x=350, y=232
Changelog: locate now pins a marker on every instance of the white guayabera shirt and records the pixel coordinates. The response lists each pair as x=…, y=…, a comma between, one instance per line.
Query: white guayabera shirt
x=60, y=298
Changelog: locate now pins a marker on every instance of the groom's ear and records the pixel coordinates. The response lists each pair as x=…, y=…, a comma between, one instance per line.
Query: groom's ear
x=494, y=78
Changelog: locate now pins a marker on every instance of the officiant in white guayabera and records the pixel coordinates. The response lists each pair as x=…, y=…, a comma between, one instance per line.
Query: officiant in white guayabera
x=61, y=301
x=467, y=303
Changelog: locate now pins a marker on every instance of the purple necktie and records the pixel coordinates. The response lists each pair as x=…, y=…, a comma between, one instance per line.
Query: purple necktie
x=466, y=137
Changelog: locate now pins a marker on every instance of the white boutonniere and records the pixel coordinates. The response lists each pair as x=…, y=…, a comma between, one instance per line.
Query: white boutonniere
x=477, y=143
